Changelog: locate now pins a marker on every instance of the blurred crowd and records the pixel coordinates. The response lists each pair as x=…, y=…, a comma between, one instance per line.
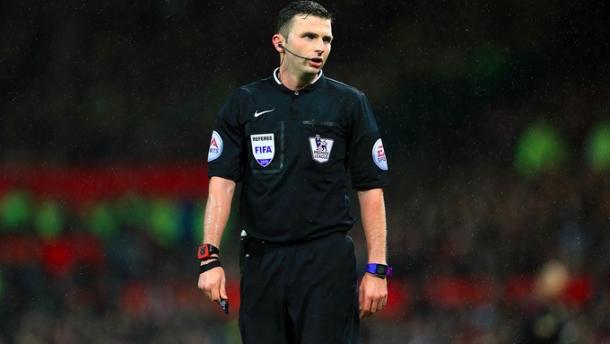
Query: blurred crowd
x=480, y=255
x=474, y=243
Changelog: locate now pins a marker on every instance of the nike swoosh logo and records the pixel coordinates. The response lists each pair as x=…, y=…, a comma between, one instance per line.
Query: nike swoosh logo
x=256, y=113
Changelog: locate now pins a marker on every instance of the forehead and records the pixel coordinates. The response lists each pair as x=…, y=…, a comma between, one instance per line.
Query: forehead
x=310, y=23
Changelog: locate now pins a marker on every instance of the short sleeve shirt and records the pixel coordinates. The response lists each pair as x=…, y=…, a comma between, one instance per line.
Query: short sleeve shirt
x=292, y=152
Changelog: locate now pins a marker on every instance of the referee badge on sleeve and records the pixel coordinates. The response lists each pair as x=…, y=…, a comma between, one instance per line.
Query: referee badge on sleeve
x=215, y=146
x=379, y=157
x=263, y=148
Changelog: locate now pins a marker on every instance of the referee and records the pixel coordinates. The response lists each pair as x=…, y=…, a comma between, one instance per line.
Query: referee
x=290, y=139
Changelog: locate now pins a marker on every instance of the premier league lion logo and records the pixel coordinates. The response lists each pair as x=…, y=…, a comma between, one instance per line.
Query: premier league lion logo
x=321, y=144
x=320, y=148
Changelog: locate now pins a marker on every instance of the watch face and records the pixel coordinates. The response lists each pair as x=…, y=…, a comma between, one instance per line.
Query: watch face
x=203, y=252
x=380, y=269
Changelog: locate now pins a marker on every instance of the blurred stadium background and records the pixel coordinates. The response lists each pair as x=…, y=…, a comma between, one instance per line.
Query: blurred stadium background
x=496, y=118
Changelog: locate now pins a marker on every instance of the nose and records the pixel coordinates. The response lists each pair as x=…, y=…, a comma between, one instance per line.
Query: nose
x=320, y=46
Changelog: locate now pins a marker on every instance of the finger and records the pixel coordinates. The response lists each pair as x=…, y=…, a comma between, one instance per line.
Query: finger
x=374, y=305
x=362, y=304
x=365, y=308
x=223, y=288
x=379, y=304
x=364, y=314
x=215, y=292
x=365, y=304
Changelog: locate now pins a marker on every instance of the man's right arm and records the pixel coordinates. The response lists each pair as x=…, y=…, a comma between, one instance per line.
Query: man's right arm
x=217, y=210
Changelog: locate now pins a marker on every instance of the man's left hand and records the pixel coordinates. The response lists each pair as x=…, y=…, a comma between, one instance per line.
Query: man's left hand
x=373, y=294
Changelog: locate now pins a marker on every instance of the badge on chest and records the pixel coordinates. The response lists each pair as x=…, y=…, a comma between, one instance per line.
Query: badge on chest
x=320, y=148
x=263, y=148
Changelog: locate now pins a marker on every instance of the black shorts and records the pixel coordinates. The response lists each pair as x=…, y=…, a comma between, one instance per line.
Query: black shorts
x=304, y=293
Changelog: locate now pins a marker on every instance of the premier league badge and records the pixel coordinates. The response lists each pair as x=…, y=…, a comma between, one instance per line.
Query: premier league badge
x=263, y=148
x=320, y=148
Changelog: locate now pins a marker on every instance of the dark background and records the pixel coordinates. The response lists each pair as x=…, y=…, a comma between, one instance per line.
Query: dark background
x=85, y=82
x=455, y=86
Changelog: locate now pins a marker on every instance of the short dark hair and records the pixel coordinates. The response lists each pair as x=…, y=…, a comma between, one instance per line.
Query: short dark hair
x=299, y=7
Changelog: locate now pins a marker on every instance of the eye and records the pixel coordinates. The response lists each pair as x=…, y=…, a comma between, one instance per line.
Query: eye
x=309, y=36
x=327, y=40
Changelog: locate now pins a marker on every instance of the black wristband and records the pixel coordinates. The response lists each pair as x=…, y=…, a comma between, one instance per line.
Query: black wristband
x=210, y=258
x=209, y=266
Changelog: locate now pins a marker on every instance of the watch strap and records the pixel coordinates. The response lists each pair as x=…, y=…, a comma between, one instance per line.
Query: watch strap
x=379, y=270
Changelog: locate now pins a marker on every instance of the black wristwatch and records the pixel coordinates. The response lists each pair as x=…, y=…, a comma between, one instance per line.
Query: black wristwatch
x=205, y=251
x=379, y=270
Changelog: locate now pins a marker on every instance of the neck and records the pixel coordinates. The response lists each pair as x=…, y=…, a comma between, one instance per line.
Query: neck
x=293, y=81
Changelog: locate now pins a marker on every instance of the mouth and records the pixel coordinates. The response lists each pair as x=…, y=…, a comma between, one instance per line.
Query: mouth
x=316, y=62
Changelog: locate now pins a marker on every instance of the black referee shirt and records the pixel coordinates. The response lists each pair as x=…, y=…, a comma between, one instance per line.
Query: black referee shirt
x=292, y=150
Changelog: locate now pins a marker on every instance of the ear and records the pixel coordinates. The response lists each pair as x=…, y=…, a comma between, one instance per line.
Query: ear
x=278, y=40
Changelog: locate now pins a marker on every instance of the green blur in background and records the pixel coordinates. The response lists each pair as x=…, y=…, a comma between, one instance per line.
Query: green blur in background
x=15, y=210
x=598, y=147
x=540, y=149
x=102, y=221
x=164, y=225
x=48, y=219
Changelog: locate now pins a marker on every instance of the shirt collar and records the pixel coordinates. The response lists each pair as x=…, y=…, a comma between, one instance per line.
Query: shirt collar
x=276, y=77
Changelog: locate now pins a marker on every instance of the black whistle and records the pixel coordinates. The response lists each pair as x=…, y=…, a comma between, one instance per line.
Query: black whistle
x=224, y=305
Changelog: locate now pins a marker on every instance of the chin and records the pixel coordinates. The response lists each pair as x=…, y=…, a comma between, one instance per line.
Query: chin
x=308, y=71
x=313, y=70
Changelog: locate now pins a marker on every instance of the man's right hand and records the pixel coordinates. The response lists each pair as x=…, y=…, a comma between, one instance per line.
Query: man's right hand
x=212, y=283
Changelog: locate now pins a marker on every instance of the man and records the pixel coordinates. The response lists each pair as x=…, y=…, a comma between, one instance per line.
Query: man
x=290, y=140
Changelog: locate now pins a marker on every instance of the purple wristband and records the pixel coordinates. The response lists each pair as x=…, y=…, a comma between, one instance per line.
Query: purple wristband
x=379, y=270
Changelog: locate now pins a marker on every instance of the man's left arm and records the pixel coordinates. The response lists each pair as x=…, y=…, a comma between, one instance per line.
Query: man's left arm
x=373, y=294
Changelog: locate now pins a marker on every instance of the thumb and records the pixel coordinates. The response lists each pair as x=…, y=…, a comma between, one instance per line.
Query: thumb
x=361, y=292
x=223, y=289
